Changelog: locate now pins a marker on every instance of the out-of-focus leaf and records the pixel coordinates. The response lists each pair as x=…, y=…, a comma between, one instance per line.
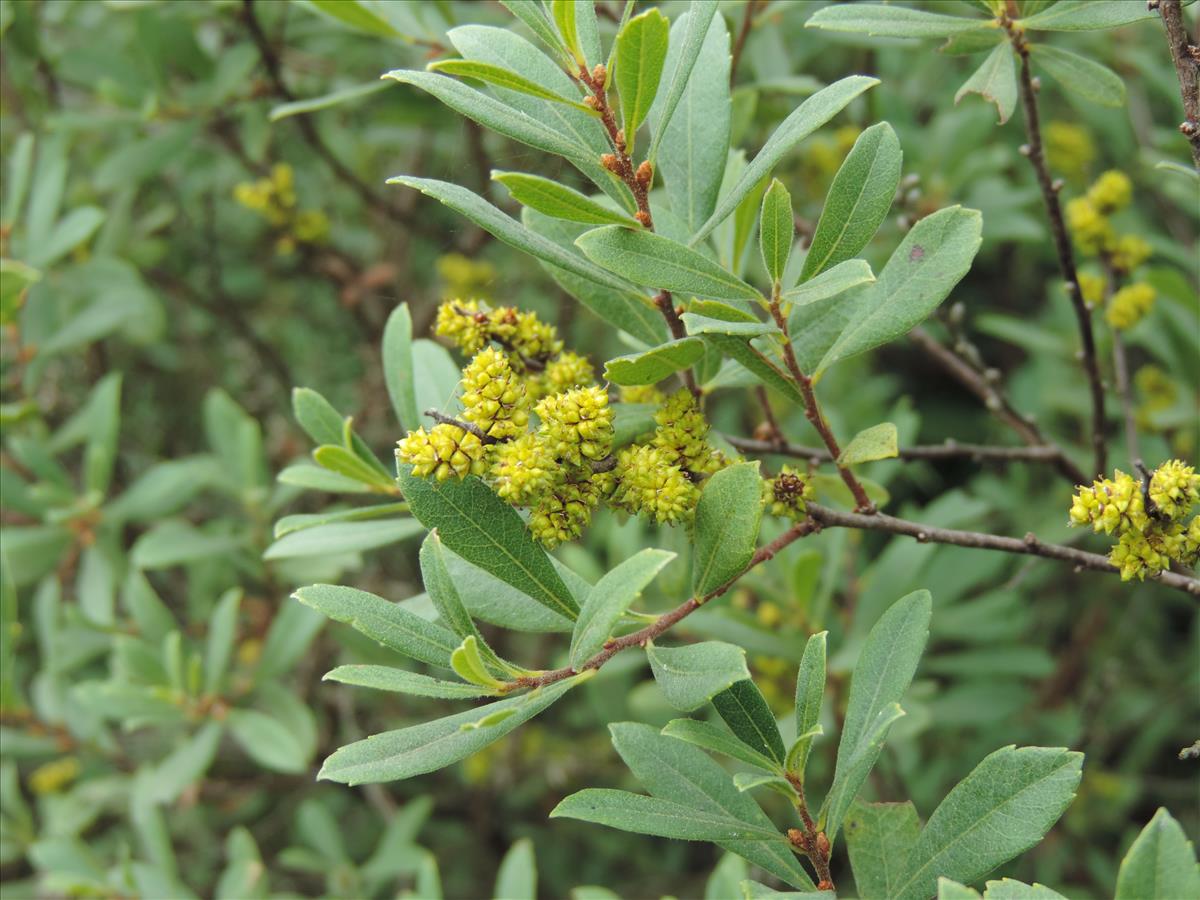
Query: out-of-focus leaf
x=995, y=81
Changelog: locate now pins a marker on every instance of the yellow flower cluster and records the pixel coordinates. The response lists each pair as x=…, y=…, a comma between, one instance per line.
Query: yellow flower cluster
x=1149, y=537
x=1092, y=230
x=54, y=776
x=1129, y=305
x=562, y=465
x=465, y=277
x=786, y=492
x=274, y=198
x=1069, y=149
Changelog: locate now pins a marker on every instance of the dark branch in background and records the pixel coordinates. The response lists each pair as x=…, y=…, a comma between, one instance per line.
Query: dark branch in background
x=307, y=129
x=225, y=308
x=996, y=402
x=1062, y=240
x=951, y=449
x=740, y=43
x=1030, y=545
x=1186, y=57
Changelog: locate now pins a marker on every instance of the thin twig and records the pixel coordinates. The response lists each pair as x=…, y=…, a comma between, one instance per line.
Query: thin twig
x=1030, y=545
x=308, y=130
x=443, y=419
x=1062, y=240
x=811, y=841
x=951, y=449
x=771, y=424
x=995, y=402
x=666, y=620
x=740, y=43
x=1187, y=66
x=812, y=410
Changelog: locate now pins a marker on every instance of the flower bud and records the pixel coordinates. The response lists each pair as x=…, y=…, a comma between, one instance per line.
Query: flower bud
x=648, y=484
x=1112, y=191
x=523, y=470
x=493, y=397
x=577, y=424
x=568, y=370
x=446, y=451
x=1174, y=489
x=1129, y=305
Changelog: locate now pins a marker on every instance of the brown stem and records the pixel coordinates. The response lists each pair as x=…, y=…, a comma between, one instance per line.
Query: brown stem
x=995, y=402
x=740, y=43
x=666, y=305
x=811, y=841
x=951, y=449
x=812, y=411
x=1062, y=245
x=666, y=620
x=771, y=424
x=1187, y=67
x=1030, y=545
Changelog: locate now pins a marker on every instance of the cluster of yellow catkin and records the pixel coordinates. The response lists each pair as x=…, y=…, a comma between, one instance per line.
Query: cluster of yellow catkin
x=541, y=431
x=1089, y=218
x=1147, y=520
x=274, y=198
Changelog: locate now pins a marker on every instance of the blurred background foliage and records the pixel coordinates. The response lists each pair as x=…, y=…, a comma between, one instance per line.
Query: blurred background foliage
x=194, y=221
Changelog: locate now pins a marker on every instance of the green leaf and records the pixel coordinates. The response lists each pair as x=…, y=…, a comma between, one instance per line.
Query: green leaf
x=892, y=21
x=609, y=600
x=532, y=14
x=883, y=673
x=503, y=47
x=468, y=663
x=719, y=740
x=484, y=530
x=500, y=77
x=879, y=837
x=766, y=371
x=776, y=229
x=186, y=764
x=301, y=521
x=995, y=81
x=804, y=120
x=401, y=681
x=952, y=890
x=652, y=366
x=325, y=101
x=929, y=262
x=222, y=633
x=810, y=691
x=641, y=51
x=517, y=878
x=746, y=713
x=830, y=283
x=1086, y=15
x=687, y=40
x=692, y=675
x=267, y=741
x=858, y=200
x=1001, y=809
x=392, y=626
x=726, y=879
x=511, y=232
x=493, y=114
x=342, y=537
x=877, y=442
x=406, y=752
x=726, y=526
x=495, y=601
x=559, y=201
x=627, y=309
x=699, y=324
x=355, y=15
x=689, y=151
x=1160, y=864
x=563, y=12
x=1080, y=75
x=398, y=368
x=653, y=260
x=1008, y=889
x=173, y=542
x=236, y=438
x=662, y=818
x=345, y=462
x=442, y=591
x=315, y=478
x=676, y=772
